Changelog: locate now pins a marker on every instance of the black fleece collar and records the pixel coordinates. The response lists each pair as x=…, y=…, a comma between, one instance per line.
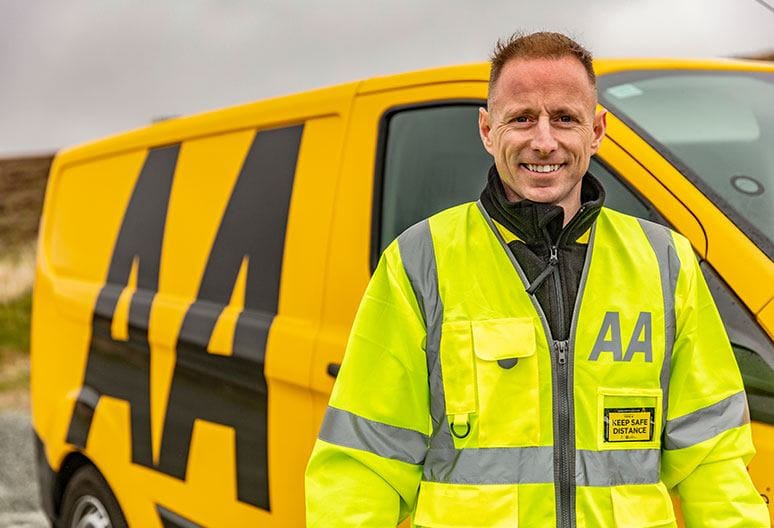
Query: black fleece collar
x=535, y=222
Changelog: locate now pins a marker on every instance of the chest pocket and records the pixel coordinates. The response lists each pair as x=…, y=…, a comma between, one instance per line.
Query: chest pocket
x=490, y=379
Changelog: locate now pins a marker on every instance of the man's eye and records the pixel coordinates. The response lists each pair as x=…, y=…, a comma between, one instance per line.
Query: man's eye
x=521, y=119
x=566, y=119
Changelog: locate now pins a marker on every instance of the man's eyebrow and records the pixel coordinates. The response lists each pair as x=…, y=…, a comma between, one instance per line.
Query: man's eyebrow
x=517, y=109
x=568, y=109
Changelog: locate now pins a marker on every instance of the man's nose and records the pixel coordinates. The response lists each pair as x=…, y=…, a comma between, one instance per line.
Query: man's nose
x=543, y=140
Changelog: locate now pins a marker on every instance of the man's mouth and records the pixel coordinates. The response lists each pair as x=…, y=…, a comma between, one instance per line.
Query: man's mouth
x=541, y=168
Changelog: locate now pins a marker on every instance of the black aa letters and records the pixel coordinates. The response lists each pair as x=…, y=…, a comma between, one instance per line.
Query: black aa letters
x=229, y=390
x=116, y=368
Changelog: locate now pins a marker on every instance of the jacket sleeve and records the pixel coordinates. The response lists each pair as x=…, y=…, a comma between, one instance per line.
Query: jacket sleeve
x=367, y=462
x=707, y=438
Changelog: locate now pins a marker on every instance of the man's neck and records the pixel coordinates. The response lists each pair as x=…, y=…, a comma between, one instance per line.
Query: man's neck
x=531, y=221
x=570, y=204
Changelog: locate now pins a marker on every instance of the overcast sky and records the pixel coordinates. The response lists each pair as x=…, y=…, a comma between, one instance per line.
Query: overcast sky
x=80, y=69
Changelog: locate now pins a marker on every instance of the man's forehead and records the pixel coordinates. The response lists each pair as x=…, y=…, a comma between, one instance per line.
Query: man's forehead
x=564, y=75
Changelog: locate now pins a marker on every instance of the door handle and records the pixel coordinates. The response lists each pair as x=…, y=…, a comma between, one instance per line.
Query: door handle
x=333, y=369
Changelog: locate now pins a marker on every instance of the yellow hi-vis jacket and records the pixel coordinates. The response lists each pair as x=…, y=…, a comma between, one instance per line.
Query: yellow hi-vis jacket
x=455, y=404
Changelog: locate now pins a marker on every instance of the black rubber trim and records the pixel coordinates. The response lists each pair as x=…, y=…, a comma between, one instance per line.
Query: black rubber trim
x=171, y=519
x=333, y=369
x=46, y=480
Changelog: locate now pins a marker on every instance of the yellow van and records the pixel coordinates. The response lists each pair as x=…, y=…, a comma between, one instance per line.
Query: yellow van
x=197, y=279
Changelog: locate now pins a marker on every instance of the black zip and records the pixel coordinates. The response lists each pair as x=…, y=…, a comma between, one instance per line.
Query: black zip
x=558, y=288
x=564, y=459
x=563, y=472
x=564, y=444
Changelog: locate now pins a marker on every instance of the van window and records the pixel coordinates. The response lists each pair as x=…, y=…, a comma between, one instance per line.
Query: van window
x=716, y=127
x=432, y=158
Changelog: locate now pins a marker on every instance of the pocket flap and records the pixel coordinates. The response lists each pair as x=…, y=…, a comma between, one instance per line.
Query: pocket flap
x=497, y=339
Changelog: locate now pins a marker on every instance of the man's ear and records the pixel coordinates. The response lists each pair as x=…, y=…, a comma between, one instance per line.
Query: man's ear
x=600, y=124
x=484, y=129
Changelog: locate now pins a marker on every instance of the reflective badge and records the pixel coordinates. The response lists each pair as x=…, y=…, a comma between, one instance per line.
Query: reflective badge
x=629, y=425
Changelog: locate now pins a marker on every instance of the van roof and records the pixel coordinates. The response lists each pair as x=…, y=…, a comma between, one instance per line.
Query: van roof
x=322, y=101
x=480, y=71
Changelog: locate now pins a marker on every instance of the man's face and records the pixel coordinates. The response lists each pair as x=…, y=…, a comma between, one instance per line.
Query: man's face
x=541, y=129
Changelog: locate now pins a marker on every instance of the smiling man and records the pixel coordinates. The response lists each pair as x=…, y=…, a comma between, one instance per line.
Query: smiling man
x=535, y=359
x=541, y=125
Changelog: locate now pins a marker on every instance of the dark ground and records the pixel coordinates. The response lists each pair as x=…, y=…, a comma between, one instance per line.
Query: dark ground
x=19, y=503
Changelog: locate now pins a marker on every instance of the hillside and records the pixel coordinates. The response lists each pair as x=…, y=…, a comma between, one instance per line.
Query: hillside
x=22, y=186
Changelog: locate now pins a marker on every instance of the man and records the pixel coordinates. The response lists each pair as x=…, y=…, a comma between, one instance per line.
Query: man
x=534, y=359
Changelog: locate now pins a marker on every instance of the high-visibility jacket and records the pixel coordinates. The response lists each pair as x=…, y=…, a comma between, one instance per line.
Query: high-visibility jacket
x=455, y=404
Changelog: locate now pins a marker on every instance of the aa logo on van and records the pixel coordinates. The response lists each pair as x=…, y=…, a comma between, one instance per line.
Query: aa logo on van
x=609, y=339
x=227, y=390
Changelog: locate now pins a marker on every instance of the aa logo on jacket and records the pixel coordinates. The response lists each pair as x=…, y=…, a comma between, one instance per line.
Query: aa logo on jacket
x=609, y=338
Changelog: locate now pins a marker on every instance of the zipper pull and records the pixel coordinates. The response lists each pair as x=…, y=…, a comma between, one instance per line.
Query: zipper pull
x=554, y=258
x=552, y=262
x=561, y=350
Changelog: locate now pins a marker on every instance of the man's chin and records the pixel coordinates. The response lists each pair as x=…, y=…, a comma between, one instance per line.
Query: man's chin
x=543, y=195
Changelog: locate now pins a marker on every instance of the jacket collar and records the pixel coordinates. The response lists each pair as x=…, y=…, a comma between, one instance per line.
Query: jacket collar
x=535, y=222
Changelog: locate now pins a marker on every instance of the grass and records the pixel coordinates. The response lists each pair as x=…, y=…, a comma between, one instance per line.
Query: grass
x=22, y=185
x=14, y=352
x=15, y=327
x=17, y=272
x=15, y=381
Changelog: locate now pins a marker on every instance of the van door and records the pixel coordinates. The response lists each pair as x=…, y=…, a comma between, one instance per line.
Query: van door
x=382, y=122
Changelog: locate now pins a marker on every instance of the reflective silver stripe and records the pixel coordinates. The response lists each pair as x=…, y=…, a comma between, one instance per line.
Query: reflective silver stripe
x=707, y=422
x=418, y=257
x=617, y=467
x=535, y=465
x=346, y=429
x=495, y=465
x=660, y=239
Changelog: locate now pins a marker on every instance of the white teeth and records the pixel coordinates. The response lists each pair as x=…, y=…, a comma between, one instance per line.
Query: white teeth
x=542, y=168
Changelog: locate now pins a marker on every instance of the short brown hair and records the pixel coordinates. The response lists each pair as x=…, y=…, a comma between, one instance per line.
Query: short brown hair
x=541, y=45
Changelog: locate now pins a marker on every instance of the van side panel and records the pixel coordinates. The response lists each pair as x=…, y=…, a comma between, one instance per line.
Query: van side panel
x=73, y=258
x=72, y=265
x=175, y=315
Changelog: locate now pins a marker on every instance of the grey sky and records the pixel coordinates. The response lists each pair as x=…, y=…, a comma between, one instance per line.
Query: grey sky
x=77, y=70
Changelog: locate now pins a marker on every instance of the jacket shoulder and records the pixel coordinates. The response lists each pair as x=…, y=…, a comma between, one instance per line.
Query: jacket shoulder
x=672, y=249
x=450, y=215
x=654, y=230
